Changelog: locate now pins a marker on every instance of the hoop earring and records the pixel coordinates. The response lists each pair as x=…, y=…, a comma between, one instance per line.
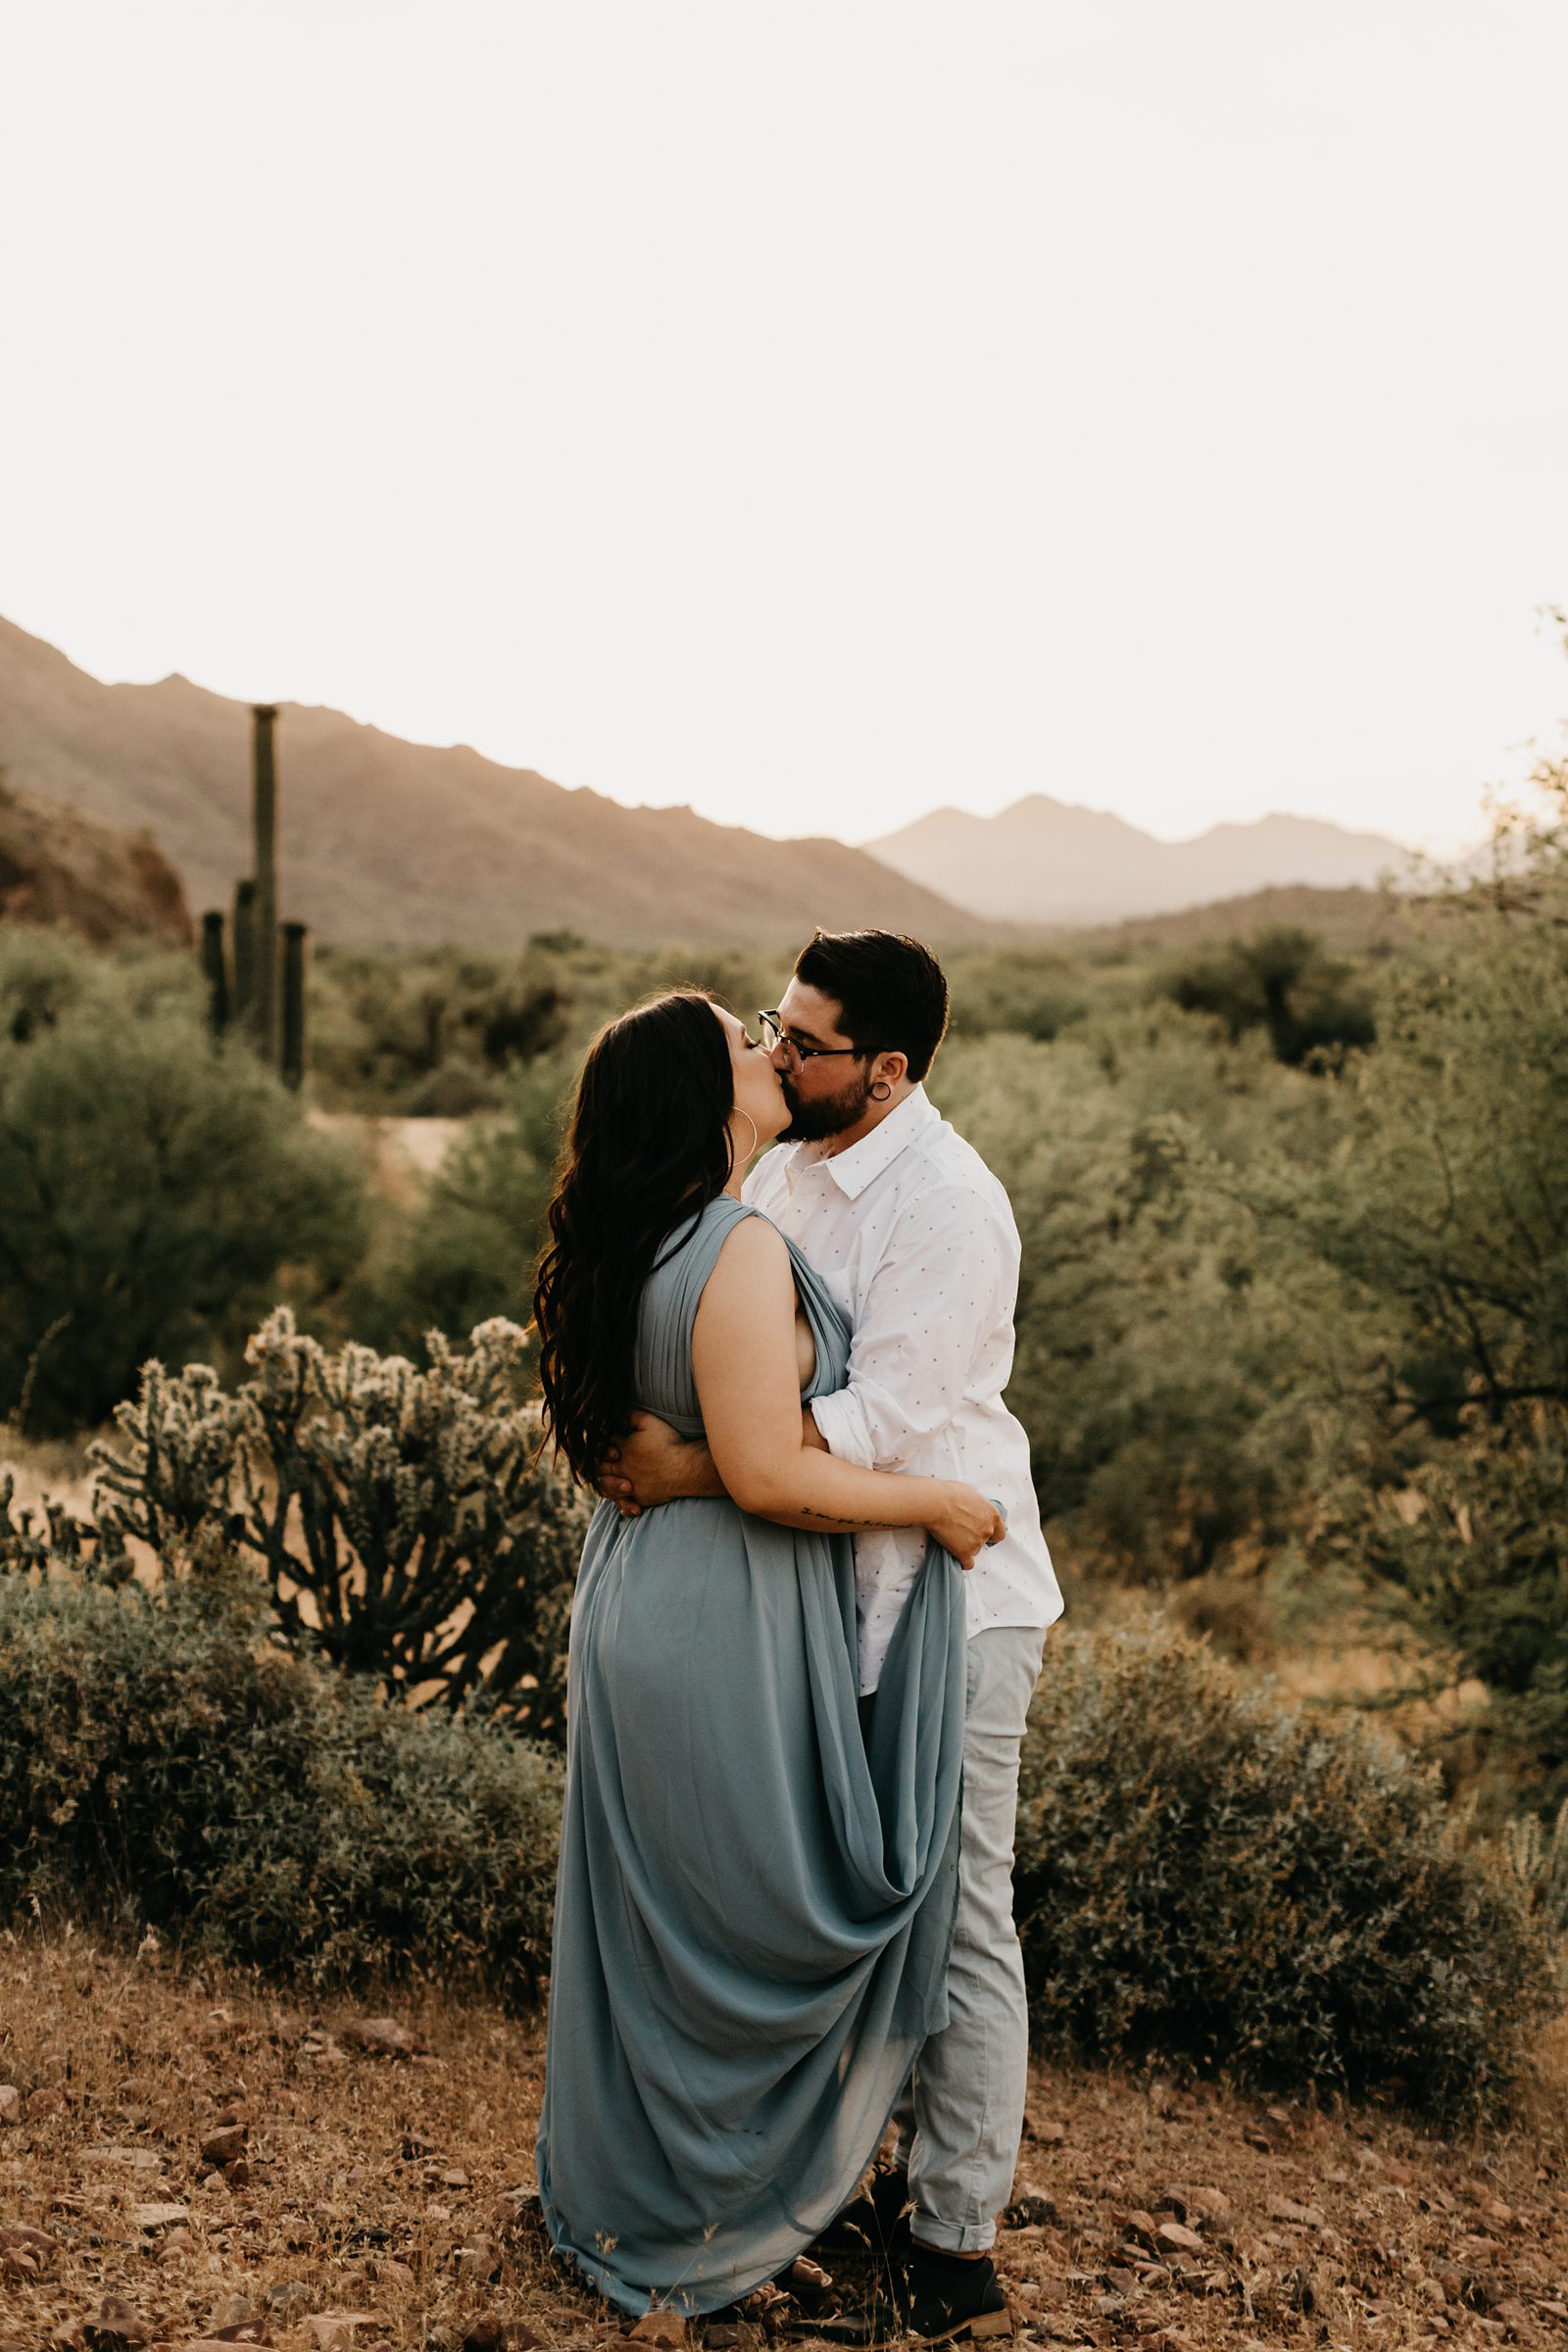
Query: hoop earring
x=734, y=1161
x=881, y=1092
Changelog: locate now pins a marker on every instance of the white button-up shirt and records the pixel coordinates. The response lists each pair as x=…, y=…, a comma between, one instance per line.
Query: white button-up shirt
x=915, y=1239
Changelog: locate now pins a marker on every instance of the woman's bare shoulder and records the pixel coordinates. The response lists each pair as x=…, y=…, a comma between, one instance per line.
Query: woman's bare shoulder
x=752, y=1265
x=752, y=1243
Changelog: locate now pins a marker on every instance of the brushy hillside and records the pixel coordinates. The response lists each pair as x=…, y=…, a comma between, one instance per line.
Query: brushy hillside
x=1357, y=920
x=59, y=866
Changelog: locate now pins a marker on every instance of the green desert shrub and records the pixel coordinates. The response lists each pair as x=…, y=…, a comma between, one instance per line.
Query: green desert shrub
x=1158, y=1347
x=158, y=1195
x=1027, y=990
x=1440, y=1233
x=1284, y=983
x=1206, y=1877
x=164, y=1763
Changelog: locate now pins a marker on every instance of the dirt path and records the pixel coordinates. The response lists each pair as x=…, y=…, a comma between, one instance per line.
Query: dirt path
x=386, y=2189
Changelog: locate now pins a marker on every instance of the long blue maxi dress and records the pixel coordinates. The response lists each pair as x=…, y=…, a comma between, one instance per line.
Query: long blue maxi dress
x=756, y=1897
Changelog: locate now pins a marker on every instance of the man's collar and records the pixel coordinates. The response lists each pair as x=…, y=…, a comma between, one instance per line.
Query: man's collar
x=853, y=1170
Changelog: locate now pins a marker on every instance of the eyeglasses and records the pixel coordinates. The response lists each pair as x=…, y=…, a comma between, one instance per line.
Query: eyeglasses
x=774, y=1036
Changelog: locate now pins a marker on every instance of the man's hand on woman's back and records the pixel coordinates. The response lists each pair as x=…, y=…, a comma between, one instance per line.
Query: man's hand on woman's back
x=653, y=1464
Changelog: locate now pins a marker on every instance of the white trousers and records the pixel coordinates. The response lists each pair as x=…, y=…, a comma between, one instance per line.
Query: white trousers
x=961, y=2119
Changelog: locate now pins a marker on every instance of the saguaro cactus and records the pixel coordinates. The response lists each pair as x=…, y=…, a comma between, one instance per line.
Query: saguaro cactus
x=216, y=967
x=264, y=825
x=267, y=989
x=293, y=1006
x=244, y=949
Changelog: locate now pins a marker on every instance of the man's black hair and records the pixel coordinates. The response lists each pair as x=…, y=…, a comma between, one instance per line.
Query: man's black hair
x=892, y=991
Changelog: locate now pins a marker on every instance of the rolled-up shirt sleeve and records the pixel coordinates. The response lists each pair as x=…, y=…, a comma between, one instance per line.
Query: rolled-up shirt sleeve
x=943, y=1293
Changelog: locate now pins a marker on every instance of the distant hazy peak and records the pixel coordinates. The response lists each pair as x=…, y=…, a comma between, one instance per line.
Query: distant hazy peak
x=1048, y=862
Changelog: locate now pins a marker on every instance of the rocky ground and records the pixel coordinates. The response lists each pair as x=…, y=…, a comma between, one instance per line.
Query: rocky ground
x=188, y=2161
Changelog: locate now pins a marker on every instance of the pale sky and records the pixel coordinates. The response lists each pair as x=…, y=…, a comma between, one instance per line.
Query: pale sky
x=814, y=411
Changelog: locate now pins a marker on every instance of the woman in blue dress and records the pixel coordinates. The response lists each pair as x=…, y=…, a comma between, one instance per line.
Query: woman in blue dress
x=757, y=1871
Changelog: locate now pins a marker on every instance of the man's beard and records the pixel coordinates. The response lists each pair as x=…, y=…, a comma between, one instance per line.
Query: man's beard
x=829, y=1114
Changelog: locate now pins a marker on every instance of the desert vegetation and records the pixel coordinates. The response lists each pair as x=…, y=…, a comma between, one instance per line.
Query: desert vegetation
x=282, y=1676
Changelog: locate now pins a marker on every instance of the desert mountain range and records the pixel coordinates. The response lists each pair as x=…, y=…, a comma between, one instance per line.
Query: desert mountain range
x=390, y=842
x=1046, y=861
x=385, y=841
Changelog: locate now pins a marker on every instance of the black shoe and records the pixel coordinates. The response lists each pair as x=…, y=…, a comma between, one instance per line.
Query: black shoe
x=871, y=2220
x=949, y=2298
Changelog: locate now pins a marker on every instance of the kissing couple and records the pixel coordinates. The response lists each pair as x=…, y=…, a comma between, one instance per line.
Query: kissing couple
x=806, y=1629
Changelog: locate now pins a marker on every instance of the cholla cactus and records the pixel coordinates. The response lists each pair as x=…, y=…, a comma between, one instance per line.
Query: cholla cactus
x=405, y=1519
x=1538, y=1858
x=63, y=1544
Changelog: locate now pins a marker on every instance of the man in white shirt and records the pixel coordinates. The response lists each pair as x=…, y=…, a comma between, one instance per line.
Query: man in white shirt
x=916, y=1239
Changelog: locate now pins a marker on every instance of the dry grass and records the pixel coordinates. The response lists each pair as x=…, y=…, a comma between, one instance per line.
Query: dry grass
x=383, y=2186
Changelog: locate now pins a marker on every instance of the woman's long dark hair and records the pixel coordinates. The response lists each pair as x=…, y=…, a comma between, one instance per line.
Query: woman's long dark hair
x=649, y=1147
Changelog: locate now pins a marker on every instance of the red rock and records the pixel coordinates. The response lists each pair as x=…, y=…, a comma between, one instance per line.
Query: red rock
x=223, y=2144
x=1179, y=2239
x=289, y=2297
x=236, y=2320
x=1212, y=2203
x=9, y=2104
x=477, y=2260
x=380, y=2038
x=115, y=2326
x=20, y=2233
x=1285, y=2208
x=43, y=2102
x=667, y=2327
x=159, y=2217
x=344, y=2331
